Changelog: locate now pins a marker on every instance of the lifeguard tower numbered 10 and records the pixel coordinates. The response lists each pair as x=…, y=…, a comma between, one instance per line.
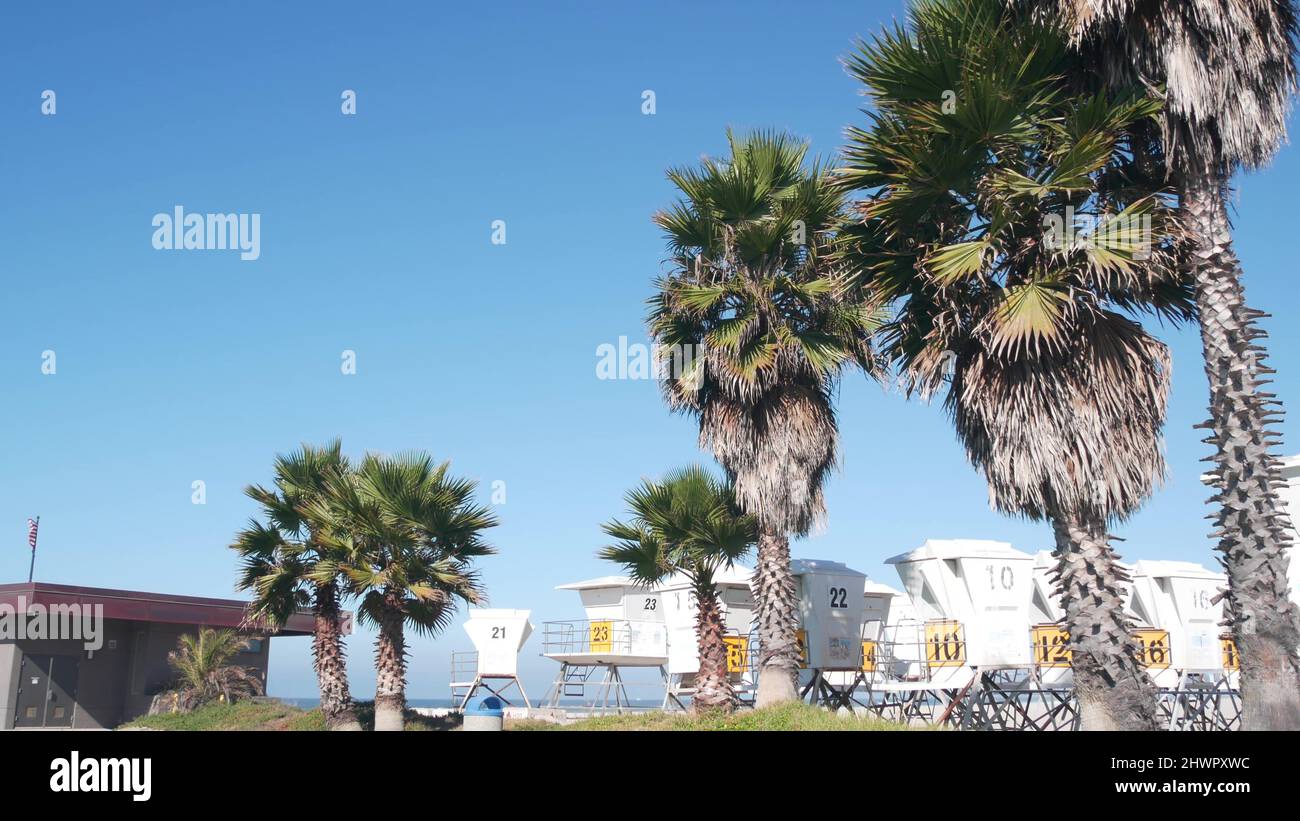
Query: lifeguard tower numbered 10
x=967, y=656
x=1185, y=650
x=493, y=665
x=624, y=629
x=678, y=600
x=831, y=608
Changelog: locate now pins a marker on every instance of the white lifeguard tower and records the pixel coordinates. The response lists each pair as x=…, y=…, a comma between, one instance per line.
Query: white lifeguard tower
x=493, y=665
x=1183, y=645
x=678, y=602
x=972, y=632
x=1051, y=642
x=624, y=628
x=1174, y=605
x=831, y=612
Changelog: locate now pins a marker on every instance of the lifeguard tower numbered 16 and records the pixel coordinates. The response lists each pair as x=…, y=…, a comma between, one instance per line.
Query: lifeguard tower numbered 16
x=624, y=629
x=493, y=665
x=1185, y=650
x=972, y=635
x=830, y=630
x=678, y=600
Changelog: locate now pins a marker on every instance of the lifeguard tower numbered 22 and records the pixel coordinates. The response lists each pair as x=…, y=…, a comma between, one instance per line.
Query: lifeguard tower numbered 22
x=624, y=629
x=493, y=665
x=831, y=605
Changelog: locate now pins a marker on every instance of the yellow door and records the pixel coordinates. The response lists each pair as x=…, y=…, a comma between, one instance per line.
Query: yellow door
x=601, y=639
x=1153, y=648
x=1051, y=646
x=945, y=643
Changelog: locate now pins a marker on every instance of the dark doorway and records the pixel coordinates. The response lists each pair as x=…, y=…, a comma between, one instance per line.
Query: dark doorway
x=47, y=691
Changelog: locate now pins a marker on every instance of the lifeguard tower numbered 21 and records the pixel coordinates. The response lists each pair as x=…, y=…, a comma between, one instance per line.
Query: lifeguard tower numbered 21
x=493, y=665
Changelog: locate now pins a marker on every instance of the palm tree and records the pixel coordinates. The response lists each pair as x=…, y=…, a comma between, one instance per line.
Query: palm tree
x=1227, y=69
x=752, y=293
x=976, y=146
x=409, y=531
x=689, y=524
x=286, y=566
x=203, y=674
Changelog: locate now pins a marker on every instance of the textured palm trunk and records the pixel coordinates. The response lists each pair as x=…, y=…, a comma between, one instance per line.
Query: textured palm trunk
x=390, y=665
x=713, y=690
x=1114, y=691
x=330, y=663
x=1251, y=521
x=777, y=616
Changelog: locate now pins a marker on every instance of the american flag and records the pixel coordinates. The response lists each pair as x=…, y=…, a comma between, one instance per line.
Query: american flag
x=32, y=525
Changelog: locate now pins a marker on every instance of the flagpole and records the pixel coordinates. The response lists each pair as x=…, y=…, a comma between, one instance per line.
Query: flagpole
x=31, y=570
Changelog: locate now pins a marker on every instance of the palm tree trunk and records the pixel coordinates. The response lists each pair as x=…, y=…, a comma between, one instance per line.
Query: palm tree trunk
x=777, y=616
x=390, y=665
x=713, y=690
x=330, y=663
x=1114, y=691
x=1251, y=522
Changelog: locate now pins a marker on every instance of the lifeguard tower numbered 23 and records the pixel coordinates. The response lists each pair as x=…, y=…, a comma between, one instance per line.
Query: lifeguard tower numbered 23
x=624, y=629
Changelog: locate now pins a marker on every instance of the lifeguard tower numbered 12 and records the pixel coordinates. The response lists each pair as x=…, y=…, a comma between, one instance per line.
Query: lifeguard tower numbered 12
x=678, y=600
x=971, y=636
x=831, y=609
x=1181, y=642
x=624, y=629
x=493, y=665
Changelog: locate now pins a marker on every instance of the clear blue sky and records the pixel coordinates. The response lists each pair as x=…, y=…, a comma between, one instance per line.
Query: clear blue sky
x=375, y=236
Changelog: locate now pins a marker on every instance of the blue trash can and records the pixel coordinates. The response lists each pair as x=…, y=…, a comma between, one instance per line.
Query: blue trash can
x=489, y=715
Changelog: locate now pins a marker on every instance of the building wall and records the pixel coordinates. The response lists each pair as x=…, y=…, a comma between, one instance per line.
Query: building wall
x=116, y=683
x=8, y=683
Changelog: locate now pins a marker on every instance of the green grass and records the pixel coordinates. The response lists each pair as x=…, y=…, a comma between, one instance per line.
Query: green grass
x=272, y=716
x=795, y=716
x=243, y=715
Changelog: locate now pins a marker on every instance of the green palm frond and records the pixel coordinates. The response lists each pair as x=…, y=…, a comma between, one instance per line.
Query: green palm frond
x=688, y=523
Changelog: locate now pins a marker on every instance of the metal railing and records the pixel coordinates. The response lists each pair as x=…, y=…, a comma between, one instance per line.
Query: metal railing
x=616, y=637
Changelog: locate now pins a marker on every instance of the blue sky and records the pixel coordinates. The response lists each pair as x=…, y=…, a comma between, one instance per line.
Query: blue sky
x=177, y=366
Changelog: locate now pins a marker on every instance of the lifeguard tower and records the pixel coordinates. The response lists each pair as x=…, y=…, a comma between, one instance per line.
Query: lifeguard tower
x=1185, y=650
x=1051, y=642
x=831, y=612
x=882, y=606
x=624, y=629
x=679, y=604
x=967, y=656
x=493, y=665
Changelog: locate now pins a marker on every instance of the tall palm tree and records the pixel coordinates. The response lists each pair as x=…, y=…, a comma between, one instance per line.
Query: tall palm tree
x=688, y=524
x=752, y=291
x=1227, y=69
x=979, y=168
x=286, y=566
x=409, y=532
